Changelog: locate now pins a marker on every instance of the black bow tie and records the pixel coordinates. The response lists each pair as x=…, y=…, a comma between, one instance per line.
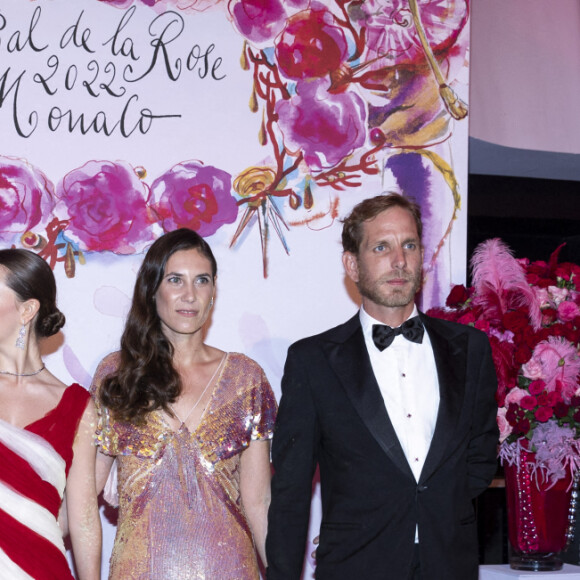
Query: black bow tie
x=384, y=335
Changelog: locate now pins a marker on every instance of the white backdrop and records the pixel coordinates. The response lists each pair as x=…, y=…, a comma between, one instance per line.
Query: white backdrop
x=57, y=56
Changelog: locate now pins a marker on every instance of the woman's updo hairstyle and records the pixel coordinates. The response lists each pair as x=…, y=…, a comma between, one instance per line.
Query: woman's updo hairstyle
x=30, y=277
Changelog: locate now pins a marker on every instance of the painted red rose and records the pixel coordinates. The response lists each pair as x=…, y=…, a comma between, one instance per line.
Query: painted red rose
x=195, y=196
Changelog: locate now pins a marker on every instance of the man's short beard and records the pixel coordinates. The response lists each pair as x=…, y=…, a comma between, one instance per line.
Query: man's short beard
x=393, y=299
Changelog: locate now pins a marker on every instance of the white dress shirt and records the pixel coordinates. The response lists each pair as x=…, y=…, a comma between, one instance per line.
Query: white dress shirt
x=407, y=378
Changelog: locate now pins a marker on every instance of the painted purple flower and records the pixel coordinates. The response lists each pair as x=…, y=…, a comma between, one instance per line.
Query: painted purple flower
x=26, y=196
x=195, y=196
x=106, y=204
x=258, y=20
x=326, y=127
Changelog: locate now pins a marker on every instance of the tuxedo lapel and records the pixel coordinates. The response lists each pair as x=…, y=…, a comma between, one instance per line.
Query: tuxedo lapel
x=348, y=356
x=450, y=360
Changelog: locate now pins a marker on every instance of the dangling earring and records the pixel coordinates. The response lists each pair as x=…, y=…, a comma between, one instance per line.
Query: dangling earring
x=211, y=302
x=21, y=336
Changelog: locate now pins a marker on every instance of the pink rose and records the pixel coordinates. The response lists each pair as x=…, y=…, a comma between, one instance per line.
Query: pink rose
x=196, y=196
x=26, y=196
x=258, y=20
x=107, y=207
x=557, y=294
x=533, y=369
x=505, y=428
x=567, y=311
x=515, y=396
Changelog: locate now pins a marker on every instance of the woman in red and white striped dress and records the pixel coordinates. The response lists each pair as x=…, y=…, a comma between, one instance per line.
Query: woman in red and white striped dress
x=46, y=433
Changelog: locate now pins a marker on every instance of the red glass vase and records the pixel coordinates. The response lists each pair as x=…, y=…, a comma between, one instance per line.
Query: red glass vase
x=540, y=516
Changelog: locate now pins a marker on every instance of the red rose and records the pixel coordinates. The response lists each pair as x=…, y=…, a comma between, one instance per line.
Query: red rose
x=536, y=387
x=483, y=325
x=561, y=410
x=467, y=318
x=522, y=354
x=543, y=414
x=516, y=321
x=567, y=270
x=522, y=426
x=512, y=414
x=459, y=295
x=528, y=402
x=529, y=337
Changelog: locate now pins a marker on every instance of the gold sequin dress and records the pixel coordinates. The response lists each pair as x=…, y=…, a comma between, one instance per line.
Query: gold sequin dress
x=180, y=510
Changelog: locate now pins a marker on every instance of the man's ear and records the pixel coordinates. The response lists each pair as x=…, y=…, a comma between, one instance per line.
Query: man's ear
x=350, y=263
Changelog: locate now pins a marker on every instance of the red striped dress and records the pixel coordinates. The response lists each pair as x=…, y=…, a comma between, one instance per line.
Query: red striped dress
x=34, y=464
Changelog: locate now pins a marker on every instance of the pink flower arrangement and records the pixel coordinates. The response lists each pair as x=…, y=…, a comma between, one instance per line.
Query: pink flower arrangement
x=531, y=314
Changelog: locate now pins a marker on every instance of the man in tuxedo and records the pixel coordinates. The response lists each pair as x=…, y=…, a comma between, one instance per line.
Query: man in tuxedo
x=398, y=411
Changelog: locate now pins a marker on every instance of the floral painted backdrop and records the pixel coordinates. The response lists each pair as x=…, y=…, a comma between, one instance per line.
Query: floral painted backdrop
x=258, y=123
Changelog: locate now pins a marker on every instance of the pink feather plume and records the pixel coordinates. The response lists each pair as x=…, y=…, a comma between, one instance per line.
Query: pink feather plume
x=500, y=282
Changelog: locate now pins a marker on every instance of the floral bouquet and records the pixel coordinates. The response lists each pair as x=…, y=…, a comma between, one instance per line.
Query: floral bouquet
x=531, y=314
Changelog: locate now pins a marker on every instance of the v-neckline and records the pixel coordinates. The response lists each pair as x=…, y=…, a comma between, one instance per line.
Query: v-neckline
x=216, y=380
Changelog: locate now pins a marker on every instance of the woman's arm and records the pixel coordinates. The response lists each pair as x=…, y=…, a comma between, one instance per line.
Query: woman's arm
x=81, y=499
x=103, y=468
x=255, y=475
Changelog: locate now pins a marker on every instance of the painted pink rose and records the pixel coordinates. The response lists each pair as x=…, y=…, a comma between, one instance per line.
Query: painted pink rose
x=259, y=21
x=107, y=207
x=568, y=310
x=326, y=127
x=196, y=196
x=26, y=197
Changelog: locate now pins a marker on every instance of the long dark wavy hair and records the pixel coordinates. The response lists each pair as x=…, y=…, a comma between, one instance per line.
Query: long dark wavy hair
x=146, y=379
x=30, y=277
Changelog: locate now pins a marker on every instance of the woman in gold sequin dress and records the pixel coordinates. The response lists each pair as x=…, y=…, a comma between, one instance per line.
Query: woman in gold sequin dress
x=189, y=426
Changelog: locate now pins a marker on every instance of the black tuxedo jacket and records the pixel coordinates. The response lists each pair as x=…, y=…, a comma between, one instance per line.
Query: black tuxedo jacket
x=332, y=414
